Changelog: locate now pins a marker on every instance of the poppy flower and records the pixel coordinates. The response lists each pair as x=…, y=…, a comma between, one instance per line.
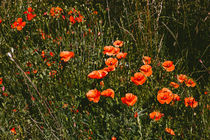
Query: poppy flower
x=111, y=62
x=146, y=70
x=156, y=115
x=19, y=24
x=181, y=78
x=146, y=60
x=93, y=95
x=173, y=84
x=135, y=114
x=114, y=138
x=190, y=101
x=30, y=16
x=108, y=93
x=121, y=55
x=102, y=83
x=66, y=55
x=138, y=78
x=164, y=96
x=111, y=51
x=204, y=92
x=13, y=131
x=51, y=54
x=52, y=73
x=168, y=66
x=118, y=43
x=97, y=74
x=35, y=71
x=1, y=80
x=129, y=99
x=190, y=83
x=56, y=11
x=0, y=21
x=176, y=97
x=170, y=131
x=110, y=68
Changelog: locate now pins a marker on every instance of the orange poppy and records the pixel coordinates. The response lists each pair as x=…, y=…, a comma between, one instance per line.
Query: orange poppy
x=164, y=96
x=156, y=115
x=1, y=80
x=110, y=68
x=35, y=71
x=146, y=60
x=170, y=131
x=204, y=92
x=114, y=138
x=13, y=131
x=138, y=78
x=108, y=93
x=173, y=84
x=19, y=24
x=129, y=99
x=93, y=95
x=146, y=70
x=56, y=11
x=110, y=62
x=97, y=74
x=111, y=51
x=190, y=83
x=181, y=78
x=66, y=55
x=176, y=97
x=168, y=66
x=118, y=43
x=121, y=55
x=190, y=101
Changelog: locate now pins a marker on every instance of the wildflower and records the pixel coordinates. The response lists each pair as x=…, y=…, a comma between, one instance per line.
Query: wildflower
x=176, y=97
x=114, y=138
x=146, y=70
x=108, y=93
x=156, y=115
x=14, y=110
x=121, y=55
x=164, y=96
x=168, y=66
x=170, y=131
x=204, y=92
x=181, y=78
x=102, y=83
x=111, y=62
x=135, y=114
x=13, y=131
x=95, y=12
x=51, y=54
x=4, y=94
x=65, y=106
x=19, y=24
x=173, y=84
x=66, y=55
x=138, y=78
x=129, y=99
x=32, y=98
x=0, y=21
x=93, y=95
x=190, y=101
x=146, y=60
x=1, y=80
x=190, y=83
x=97, y=74
x=109, y=68
x=52, y=73
x=30, y=16
x=56, y=11
x=111, y=51
x=118, y=43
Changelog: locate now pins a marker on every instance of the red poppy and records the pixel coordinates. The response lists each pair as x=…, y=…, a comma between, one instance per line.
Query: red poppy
x=19, y=24
x=111, y=51
x=13, y=131
x=146, y=60
x=129, y=99
x=108, y=93
x=156, y=115
x=66, y=55
x=176, y=97
x=146, y=70
x=173, y=84
x=170, y=131
x=110, y=68
x=110, y=62
x=164, y=96
x=204, y=92
x=93, y=95
x=1, y=80
x=97, y=74
x=56, y=11
x=168, y=66
x=190, y=101
x=181, y=78
x=121, y=55
x=114, y=138
x=30, y=16
x=135, y=114
x=138, y=78
x=0, y=21
x=35, y=71
x=51, y=54
x=190, y=83
x=118, y=43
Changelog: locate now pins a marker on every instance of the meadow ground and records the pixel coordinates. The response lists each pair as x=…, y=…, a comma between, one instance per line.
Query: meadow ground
x=104, y=69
